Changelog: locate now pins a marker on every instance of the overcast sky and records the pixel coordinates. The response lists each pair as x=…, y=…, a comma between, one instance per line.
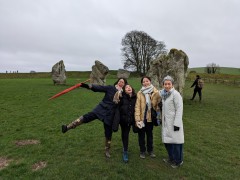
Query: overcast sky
x=36, y=34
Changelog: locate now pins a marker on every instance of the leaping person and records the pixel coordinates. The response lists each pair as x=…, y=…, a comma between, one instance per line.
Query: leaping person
x=104, y=111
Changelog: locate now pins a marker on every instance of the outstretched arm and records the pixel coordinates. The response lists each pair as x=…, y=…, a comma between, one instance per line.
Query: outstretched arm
x=194, y=83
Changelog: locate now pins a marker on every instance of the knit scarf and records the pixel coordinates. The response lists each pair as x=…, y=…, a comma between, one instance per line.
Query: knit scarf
x=117, y=95
x=146, y=91
x=165, y=94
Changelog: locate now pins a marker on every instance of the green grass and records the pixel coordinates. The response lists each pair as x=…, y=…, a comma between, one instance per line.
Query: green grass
x=211, y=149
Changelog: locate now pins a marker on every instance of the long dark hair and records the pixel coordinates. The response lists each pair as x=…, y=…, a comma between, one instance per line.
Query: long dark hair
x=133, y=90
x=125, y=81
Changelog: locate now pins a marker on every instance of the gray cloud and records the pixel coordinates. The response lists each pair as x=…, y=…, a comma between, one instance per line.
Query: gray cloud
x=37, y=34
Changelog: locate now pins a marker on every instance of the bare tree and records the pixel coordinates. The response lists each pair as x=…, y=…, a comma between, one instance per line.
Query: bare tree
x=212, y=68
x=139, y=49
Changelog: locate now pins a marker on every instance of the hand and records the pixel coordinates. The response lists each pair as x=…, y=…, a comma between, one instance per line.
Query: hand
x=140, y=124
x=84, y=85
x=176, y=128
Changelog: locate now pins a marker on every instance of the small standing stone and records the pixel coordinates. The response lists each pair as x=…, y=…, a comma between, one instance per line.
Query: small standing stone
x=98, y=74
x=122, y=73
x=58, y=73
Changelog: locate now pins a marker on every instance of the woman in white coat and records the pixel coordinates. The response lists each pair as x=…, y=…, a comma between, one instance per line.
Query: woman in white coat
x=172, y=124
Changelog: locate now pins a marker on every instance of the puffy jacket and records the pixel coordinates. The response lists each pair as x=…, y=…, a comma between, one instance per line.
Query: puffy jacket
x=141, y=105
x=127, y=108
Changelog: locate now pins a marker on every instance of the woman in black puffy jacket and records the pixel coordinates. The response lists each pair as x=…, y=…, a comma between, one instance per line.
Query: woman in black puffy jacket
x=126, y=110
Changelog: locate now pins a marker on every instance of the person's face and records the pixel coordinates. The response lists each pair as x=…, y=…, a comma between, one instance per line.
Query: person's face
x=146, y=82
x=121, y=83
x=168, y=85
x=128, y=89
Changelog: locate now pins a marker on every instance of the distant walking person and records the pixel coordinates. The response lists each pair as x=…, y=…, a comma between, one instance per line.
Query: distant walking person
x=198, y=83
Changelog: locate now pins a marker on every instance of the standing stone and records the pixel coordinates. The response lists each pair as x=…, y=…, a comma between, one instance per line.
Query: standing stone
x=98, y=74
x=122, y=73
x=175, y=64
x=58, y=73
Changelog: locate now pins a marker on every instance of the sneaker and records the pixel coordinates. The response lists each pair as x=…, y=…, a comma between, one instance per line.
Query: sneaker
x=64, y=128
x=125, y=156
x=152, y=155
x=142, y=155
x=167, y=161
x=174, y=165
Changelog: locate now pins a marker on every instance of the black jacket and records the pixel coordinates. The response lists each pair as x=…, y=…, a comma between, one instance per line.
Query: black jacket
x=106, y=108
x=124, y=113
x=127, y=109
x=195, y=83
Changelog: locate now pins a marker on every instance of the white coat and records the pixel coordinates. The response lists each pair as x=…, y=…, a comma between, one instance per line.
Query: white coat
x=172, y=112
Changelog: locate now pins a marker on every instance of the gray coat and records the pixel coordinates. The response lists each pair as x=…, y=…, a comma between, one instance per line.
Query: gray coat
x=172, y=112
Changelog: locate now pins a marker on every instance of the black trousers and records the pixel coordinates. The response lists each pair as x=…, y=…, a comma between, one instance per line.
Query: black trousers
x=199, y=91
x=92, y=116
x=148, y=130
x=125, y=129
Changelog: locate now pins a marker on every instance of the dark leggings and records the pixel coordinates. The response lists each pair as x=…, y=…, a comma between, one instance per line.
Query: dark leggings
x=125, y=128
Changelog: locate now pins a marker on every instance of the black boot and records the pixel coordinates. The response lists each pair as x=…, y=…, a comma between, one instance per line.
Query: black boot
x=72, y=125
x=64, y=128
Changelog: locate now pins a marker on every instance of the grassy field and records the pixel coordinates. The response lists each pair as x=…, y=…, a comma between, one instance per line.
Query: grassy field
x=223, y=70
x=212, y=133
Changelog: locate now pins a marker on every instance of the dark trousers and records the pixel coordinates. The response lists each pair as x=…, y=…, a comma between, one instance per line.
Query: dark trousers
x=199, y=91
x=125, y=128
x=92, y=116
x=108, y=131
x=141, y=137
x=175, y=152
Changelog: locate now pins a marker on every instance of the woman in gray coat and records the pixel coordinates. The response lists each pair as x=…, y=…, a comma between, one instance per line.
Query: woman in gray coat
x=172, y=124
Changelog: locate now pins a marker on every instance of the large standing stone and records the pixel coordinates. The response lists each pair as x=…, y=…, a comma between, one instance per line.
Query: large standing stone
x=98, y=74
x=58, y=73
x=174, y=64
x=122, y=73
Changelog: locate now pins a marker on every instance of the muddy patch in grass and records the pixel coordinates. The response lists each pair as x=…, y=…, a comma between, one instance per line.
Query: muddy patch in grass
x=4, y=162
x=39, y=165
x=26, y=142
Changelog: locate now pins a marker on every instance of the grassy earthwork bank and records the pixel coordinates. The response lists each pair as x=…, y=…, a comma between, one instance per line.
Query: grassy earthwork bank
x=212, y=133
x=223, y=70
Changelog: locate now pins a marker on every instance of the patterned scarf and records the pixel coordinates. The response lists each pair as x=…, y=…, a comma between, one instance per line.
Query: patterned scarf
x=165, y=94
x=117, y=95
x=146, y=91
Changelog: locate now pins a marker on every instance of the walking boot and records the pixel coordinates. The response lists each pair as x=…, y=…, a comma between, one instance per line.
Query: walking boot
x=125, y=156
x=107, y=148
x=72, y=125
